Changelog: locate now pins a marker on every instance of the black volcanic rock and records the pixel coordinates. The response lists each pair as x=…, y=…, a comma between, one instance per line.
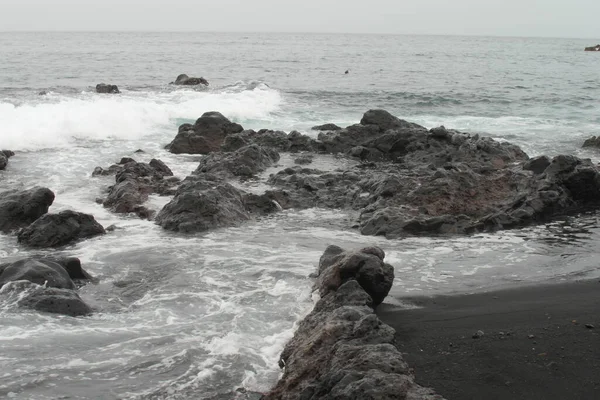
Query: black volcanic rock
x=107, y=89
x=205, y=136
x=203, y=203
x=4, y=156
x=66, y=227
x=341, y=350
x=594, y=142
x=134, y=182
x=56, y=301
x=183, y=79
x=19, y=208
x=326, y=127
x=245, y=162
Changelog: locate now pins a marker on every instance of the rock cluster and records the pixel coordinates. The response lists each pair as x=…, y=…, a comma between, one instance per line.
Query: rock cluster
x=134, y=182
x=341, y=350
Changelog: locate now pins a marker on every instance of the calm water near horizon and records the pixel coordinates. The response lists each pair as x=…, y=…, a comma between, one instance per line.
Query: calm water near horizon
x=193, y=317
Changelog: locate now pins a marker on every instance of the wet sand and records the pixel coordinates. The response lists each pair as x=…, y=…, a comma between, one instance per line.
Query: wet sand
x=535, y=342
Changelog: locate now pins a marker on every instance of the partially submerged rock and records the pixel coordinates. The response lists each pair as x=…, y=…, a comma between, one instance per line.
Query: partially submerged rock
x=326, y=127
x=48, y=284
x=19, y=208
x=107, y=88
x=594, y=142
x=134, y=182
x=4, y=156
x=56, y=301
x=202, y=203
x=341, y=350
x=205, y=136
x=66, y=227
x=183, y=79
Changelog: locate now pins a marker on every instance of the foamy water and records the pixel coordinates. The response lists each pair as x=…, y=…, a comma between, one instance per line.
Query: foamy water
x=196, y=316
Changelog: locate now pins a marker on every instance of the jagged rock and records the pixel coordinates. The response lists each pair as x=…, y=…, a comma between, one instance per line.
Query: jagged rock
x=326, y=127
x=183, y=79
x=19, y=208
x=40, y=271
x=4, y=156
x=245, y=162
x=279, y=140
x=537, y=165
x=205, y=136
x=594, y=141
x=202, y=203
x=51, y=230
x=365, y=266
x=112, y=170
x=341, y=350
x=134, y=182
x=104, y=88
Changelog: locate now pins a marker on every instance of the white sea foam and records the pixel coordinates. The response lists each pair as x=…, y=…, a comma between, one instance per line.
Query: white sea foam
x=57, y=121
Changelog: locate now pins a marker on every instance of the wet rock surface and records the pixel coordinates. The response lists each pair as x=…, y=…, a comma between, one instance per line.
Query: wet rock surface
x=183, y=79
x=203, y=203
x=245, y=162
x=19, y=208
x=134, y=182
x=204, y=136
x=46, y=284
x=341, y=350
x=66, y=227
x=414, y=181
x=107, y=88
x=4, y=156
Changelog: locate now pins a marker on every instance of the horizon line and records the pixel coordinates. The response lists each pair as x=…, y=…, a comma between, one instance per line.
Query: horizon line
x=295, y=32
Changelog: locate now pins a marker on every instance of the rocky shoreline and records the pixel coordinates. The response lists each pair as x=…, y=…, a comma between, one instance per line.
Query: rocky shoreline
x=403, y=180
x=341, y=350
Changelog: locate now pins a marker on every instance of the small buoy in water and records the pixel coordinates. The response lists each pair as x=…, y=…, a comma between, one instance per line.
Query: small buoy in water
x=346, y=73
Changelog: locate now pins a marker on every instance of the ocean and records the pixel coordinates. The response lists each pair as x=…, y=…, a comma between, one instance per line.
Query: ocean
x=201, y=316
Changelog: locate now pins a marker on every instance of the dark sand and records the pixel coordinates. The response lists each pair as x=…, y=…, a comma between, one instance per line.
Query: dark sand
x=560, y=361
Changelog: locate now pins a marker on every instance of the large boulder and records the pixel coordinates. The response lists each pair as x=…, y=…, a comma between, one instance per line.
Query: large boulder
x=19, y=208
x=40, y=271
x=205, y=136
x=341, y=350
x=4, y=156
x=183, y=79
x=107, y=89
x=51, y=230
x=202, y=203
x=46, y=284
x=56, y=301
x=245, y=162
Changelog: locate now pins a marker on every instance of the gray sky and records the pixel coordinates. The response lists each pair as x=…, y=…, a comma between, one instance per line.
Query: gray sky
x=554, y=18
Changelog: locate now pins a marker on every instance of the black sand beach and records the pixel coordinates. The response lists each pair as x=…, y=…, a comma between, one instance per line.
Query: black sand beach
x=539, y=342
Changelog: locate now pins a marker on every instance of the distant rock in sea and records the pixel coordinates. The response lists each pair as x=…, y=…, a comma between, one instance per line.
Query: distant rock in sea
x=109, y=89
x=183, y=79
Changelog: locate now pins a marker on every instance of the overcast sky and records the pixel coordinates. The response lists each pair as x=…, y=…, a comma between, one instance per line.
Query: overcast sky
x=554, y=18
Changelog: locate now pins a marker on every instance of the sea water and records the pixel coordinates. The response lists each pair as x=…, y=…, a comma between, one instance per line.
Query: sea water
x=199, y=316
